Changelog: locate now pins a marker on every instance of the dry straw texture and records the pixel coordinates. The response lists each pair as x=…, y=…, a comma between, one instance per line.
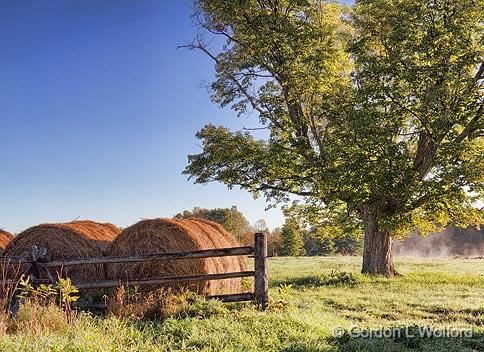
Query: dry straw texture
x=73, y=240
x=176, y=235
x=5, y=238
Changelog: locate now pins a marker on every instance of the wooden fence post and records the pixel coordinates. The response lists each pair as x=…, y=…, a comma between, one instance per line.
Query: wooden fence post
x=34, y=272
x=260, y=268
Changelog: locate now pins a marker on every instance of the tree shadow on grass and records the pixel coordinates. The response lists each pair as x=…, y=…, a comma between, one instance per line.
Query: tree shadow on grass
x=303, y=346
x=414, y=338
x=333, y=279
x=473, y=316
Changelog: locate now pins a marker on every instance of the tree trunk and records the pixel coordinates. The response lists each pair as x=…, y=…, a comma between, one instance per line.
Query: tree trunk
x=377, y=246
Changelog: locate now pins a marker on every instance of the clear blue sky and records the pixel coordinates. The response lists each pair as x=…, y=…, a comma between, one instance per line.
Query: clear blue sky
x=98, y=113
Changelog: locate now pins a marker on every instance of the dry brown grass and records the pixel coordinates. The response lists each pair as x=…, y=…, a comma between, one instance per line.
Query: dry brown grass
x=160, y=303
x=38, y=319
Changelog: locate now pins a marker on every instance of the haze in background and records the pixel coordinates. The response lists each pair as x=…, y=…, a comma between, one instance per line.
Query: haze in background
x=450, y=243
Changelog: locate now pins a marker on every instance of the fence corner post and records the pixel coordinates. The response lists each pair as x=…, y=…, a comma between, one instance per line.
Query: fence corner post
x=260, y=268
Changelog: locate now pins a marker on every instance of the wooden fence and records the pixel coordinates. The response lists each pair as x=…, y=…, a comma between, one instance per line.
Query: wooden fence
x=38, y=265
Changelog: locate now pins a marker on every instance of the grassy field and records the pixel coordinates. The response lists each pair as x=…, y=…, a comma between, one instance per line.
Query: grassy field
x=310, y=299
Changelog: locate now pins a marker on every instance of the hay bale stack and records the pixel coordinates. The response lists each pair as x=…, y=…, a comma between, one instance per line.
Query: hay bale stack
x=73, y=240
x=177, y=235
x=5, y=238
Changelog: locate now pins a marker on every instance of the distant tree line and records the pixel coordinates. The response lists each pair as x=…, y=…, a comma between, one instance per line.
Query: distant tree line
x=230, y=218
x=295, y=240
x=290, y=240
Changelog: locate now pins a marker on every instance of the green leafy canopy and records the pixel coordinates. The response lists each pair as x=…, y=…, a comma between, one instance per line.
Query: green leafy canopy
x=379, y=105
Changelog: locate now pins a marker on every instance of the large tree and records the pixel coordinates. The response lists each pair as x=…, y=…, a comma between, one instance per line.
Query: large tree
x=371, y=115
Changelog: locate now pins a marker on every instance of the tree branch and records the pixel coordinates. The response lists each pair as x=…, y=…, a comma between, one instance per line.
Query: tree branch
x=253, y=101
x=471, y=126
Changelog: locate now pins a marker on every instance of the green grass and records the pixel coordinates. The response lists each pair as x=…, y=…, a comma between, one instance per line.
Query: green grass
x=429, y=293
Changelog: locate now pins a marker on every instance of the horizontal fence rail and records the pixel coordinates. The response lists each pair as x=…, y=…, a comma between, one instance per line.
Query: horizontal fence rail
x=39, y=266
x=230, y=298
x=164, y=281
x=206, y=253
x=17, y=260
x=235, y=297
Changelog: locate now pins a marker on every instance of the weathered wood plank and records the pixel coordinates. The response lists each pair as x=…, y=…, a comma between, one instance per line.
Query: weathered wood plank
x=91, y=305
x=17, y=260
x=261, y=282
x=236, y=297
x=165, y=281
x=207, y=253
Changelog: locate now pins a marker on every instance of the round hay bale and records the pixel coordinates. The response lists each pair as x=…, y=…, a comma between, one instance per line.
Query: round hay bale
x=243, y=264
x=5, y=238
x=177, y=235
x=73, y=240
